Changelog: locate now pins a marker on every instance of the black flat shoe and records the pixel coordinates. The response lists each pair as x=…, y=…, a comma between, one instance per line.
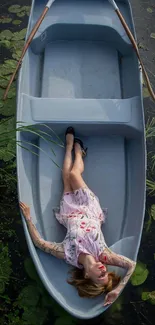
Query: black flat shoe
x=84, y=150
x=70, y=130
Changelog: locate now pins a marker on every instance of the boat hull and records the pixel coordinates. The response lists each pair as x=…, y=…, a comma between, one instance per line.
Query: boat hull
x=81, y=70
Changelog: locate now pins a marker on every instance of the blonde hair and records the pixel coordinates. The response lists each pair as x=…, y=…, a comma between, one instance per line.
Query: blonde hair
x=87, y=288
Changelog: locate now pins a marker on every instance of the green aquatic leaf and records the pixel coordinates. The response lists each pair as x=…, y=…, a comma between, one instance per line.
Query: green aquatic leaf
x=14, y=8
x=150, y=10
x=17, y=45
x=140, y=274
x=1, y=103
x=152, y=35
x=17, y=36
x=29, y=297
x=5, y=43
x=150, y=296
x=34, y=315
x=12, y=92
x=3, y=83
x=153, y=211
x=26, y=8
x=7, y=146
x=5, y=267
x=21, y=14
x=6, y=34
x=16, y=22
x=5, y=69
x=5, y=20
x=30, y=269
x=16, y=55
x=11, y=63
x=9, y=107
x=1, y=93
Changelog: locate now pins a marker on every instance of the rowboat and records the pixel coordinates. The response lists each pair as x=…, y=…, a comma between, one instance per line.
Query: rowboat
x=81, y=70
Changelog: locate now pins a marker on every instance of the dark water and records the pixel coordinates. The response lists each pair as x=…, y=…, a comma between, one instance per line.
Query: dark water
x=23, y=300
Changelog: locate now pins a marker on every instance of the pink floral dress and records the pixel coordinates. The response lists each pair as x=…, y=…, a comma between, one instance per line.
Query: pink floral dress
x=81, y=214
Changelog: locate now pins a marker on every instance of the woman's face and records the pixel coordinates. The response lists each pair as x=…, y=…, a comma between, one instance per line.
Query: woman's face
x=98, y=273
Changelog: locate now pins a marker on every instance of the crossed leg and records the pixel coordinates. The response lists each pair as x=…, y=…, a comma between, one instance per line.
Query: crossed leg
x=72, y=172
x=76, y=179
x=68, y=163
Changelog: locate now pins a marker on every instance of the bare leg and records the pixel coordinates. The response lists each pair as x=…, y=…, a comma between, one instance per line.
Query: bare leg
x=76, y=179
x=67, y=165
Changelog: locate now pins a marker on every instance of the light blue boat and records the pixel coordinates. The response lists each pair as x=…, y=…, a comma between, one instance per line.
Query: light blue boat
x=81, y=70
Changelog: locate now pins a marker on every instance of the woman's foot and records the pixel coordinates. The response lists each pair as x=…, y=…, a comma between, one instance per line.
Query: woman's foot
x=70, y=133
x=79, y=148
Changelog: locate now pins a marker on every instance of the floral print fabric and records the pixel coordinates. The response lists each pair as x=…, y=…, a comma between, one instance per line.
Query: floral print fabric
x=81, y=214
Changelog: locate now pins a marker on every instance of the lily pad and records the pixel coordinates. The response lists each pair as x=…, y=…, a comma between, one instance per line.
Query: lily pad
x=21, y=14
x=1, y=103
x=140, y=274
x=17, y=55
x=6, y=43
x=6, y=34
x=29, y=296
x=6, y=69
x=12, y=93
x=1, y=93
x=11, y=63
x=19, y=35
x=5, y=20
x=14, y=9
x=17, y=45
x=26, y=8
x=16, y=22
x=30, y=269
x=150, y=10
x=150, y=296
x=3, y=83
x=152, y=35
x=9, y=107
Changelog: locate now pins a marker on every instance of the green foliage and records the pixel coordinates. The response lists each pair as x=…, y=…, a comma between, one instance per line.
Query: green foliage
x=6, y=35
x=140, y=274
x=16, y=22
x=149, y=296
x=5, y=267
x=29, y=297
x=5, y=43
x=19, y=10
x=7, y=139
x=5, y=20
x=17, y=36
x=14, y=8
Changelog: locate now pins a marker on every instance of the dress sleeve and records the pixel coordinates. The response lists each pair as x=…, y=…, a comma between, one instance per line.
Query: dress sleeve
x=55, y=249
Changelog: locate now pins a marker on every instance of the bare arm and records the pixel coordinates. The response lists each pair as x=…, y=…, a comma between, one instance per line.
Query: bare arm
x=52, y=248
x=111, y=258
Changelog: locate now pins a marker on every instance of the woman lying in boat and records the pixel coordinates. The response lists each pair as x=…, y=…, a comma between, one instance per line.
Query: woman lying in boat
x=84, y=246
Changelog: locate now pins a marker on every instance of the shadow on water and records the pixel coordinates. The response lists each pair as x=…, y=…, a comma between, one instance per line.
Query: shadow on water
x=23, y=299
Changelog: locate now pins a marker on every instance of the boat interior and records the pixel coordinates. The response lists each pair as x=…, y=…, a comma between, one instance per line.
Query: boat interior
x=81, y=70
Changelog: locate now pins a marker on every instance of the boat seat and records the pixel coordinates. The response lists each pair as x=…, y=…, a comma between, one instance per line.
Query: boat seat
x=89, y=20
x=64, y=32
x=83, y=111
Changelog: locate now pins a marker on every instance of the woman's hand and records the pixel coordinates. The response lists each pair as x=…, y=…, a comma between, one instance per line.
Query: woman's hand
x=25, y=211
x=110, y=297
